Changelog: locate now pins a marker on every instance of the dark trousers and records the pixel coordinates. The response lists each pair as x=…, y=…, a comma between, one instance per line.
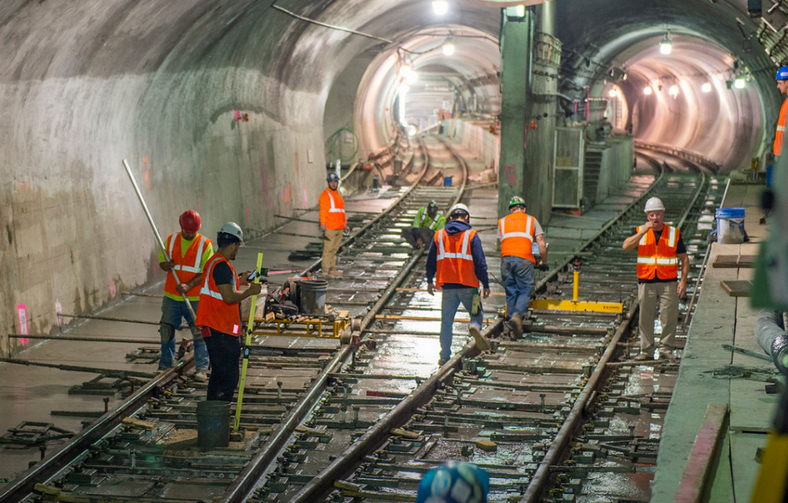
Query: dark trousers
x=224, y=352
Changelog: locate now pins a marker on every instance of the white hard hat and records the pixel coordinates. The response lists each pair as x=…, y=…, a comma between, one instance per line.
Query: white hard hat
x=233, y=229
x=654, y=204
x=459, y=207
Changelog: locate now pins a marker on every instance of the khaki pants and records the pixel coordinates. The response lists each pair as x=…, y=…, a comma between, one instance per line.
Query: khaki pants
x=664, y=296
x=331, y=241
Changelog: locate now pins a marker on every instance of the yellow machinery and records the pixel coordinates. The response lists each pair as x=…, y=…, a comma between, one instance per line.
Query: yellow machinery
x=575, y=304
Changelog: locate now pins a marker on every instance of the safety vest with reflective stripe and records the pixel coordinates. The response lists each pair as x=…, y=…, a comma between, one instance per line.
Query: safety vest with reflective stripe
x=423, y=220
x=454, y=259
x=516, y=232
x=782, y=123
x=214, y=312
x=186, y=266
x=332, y=210
x=658, y=257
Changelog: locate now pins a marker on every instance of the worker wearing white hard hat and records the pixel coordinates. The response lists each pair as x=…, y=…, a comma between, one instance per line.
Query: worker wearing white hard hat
x=219, y=315
x=660, y=249
x=457, y=265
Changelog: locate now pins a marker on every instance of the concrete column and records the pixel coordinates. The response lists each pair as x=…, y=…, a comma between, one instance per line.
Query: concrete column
x=516, y=47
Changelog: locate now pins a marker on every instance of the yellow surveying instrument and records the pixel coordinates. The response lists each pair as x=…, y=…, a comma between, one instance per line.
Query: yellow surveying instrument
x=575, y=304
x=249, y=330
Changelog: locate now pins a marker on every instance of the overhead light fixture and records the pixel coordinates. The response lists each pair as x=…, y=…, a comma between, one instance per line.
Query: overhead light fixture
x=648, y=90
x=403, y=89
x=674, y=91
x=740, y=83
x=440, y=7
x=666, y=45
x=412, y=77
x=516, y=13
x=448, y=49
x=613, y=93
x=706, y=88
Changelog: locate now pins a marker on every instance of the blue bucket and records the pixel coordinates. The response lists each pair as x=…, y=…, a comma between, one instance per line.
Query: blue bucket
x=730, y=225
x=769, y=177
x=447, y=181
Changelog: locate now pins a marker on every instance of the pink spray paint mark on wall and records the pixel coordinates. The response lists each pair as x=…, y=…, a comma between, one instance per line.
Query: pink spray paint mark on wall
x=58, y=312
x=112, y=288
x=21, y=312
x=236, y=115
x=305, y=200
x=511, y=174
x=247, y=216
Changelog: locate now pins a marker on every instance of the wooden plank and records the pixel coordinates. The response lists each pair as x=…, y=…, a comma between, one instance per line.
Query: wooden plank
x=737, y=288
x=701, y=458
x=734, y=261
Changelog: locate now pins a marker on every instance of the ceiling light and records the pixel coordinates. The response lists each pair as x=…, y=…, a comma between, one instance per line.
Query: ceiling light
x=440, y=7
x=740, y=83
x=403, y=89
x=612, y=93
x=648, y=90
x=448, y=49
x=706, y=88
x=666, y=45
x=674, y=91
x=411, y=77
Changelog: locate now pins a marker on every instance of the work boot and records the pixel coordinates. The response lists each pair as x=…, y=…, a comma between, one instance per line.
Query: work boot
x=442, y=362
x=481, y=341
x=335, y=274
x=516, y=324
x=644, y=357
x=201, y=375
x=667, y=354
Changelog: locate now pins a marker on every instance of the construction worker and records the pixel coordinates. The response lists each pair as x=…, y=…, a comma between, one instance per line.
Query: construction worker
x=456, y=262
x=517, y=231
x=454, y=482
x=782, y=122
x=425, y=224
x=770, y=332
x=660, y=248
x=333, y=223
x=220, y=312
x=189, y=251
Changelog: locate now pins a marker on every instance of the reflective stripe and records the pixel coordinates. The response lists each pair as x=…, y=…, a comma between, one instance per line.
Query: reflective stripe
x=526, y=234
x=205, y=290
x=647, y=260
x=178, y=267
x=334, y=208
x=657, y=261
x=781, y=129
x=672, y=237
x=462, y=255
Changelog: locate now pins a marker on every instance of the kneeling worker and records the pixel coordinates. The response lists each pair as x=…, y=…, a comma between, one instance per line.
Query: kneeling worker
x=189, y=251
x=517, y=232
x=220, y=312
x=456, y=261
x=427, y=222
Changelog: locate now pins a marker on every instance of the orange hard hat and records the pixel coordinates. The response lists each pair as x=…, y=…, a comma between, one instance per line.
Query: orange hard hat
x=190, y=221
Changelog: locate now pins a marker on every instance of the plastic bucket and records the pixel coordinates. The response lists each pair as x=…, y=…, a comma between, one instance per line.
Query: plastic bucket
x=769, y=170
x=730, y=225
x=447, y=181
x=213, y=424
x=313, y=296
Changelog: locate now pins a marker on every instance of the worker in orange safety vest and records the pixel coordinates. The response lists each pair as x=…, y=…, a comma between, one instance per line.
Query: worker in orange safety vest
x=782, y=121
x=220, y=312
x=333, y=223
x=189, y=251
x=518, y=232
x=456, y=262
x=660, y=249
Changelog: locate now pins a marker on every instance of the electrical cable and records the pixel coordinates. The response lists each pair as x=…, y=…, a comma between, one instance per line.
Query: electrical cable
x=334, y=148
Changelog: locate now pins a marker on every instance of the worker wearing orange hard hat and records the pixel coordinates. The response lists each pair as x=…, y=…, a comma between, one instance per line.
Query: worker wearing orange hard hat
x=188, y=251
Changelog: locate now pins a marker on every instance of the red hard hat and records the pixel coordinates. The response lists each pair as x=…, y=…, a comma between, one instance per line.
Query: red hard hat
x=190, y=221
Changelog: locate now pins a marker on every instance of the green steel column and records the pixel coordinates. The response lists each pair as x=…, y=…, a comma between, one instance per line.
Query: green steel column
x=516, y=47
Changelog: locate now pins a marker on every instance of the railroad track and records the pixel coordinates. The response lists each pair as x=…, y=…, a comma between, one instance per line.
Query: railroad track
x=320, y=420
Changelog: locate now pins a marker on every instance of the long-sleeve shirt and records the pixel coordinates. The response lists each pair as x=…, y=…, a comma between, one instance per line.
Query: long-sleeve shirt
x=479, y=261
x=423, y=221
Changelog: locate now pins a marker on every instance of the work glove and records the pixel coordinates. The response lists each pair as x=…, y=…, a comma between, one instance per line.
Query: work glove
x=543, y=267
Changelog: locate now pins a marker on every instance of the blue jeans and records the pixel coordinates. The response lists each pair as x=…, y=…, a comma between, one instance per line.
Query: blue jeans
x=517, y=274
x=449, y=304
x=172, y=311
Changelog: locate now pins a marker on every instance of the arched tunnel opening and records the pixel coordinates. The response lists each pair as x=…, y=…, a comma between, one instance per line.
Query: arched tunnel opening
x=249, y=111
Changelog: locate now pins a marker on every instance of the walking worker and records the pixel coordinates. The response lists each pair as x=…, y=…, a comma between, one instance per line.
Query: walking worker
x=782, y=121
x=456, y=262
x=426, y=223
x=220, y=312
x=517, y=231
x=660, y=248
x=189, y=251
x=333, y=223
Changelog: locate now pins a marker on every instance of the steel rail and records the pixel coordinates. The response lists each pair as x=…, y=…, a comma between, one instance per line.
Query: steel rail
x=249, y=478
x=51, y=465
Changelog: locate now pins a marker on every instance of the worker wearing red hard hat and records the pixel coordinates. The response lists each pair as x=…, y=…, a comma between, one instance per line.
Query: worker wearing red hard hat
x=189, y=251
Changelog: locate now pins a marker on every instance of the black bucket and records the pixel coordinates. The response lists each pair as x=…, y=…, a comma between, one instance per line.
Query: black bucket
x=313, y=296
x=213, y=424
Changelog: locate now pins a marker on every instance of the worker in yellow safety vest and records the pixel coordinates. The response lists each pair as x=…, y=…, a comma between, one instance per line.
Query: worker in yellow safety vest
x=518, y=231
x=660, y=249
x=782, y=122
x=427, y=222
x=333, y=222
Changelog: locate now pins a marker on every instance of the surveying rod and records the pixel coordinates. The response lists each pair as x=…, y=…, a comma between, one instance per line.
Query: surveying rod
x=158, y=237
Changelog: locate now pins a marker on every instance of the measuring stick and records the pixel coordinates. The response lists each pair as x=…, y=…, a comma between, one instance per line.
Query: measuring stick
x=158, y=237
x=249, y=329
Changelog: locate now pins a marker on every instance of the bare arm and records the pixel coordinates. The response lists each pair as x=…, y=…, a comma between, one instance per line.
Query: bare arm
x=230, y=296
x=685, y=269
x=631, y=243
x=542, y=247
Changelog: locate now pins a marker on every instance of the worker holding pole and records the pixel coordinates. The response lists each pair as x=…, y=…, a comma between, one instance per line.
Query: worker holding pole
x=187, y=253
x=220, y=312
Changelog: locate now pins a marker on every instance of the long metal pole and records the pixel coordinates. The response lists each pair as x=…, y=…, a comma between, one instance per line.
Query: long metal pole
x=158, y=236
